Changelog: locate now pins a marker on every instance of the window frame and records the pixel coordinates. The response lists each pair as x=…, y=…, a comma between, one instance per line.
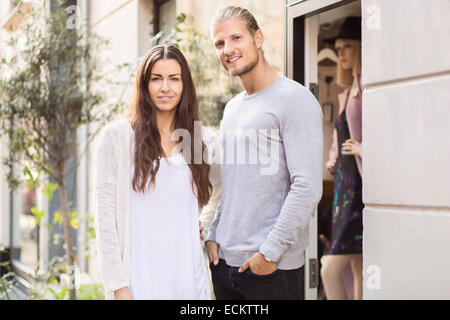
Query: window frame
x=157, y=6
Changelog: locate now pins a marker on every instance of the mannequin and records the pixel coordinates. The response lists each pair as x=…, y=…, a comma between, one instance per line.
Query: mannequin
x=346, y=165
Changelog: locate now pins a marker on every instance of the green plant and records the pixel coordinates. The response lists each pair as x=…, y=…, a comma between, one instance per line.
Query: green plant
x=7, y=281
x=92, y=292
x=47, y=277
x=46, y=94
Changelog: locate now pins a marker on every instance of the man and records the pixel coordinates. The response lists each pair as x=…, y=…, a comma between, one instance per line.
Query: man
x=257, y=240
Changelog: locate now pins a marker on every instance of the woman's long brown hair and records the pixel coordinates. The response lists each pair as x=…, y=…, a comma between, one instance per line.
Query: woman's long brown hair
x=142, y=115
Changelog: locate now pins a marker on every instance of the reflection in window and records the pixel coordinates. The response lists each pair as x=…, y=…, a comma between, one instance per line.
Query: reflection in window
x=25, y=229
x=166, y=11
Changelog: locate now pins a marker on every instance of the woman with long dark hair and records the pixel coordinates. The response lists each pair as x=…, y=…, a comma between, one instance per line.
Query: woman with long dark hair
x=154, y=173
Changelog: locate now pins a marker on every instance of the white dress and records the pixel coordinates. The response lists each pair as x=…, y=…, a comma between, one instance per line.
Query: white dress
x=165, y=246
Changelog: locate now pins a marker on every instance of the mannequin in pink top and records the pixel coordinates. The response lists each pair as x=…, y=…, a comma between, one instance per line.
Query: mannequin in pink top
x=354, y=118
x=346, y=165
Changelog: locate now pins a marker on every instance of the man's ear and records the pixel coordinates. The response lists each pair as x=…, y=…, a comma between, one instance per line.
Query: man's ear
x=259, y=39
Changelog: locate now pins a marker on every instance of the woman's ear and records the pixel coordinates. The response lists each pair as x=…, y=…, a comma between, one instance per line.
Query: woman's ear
x=259, y=39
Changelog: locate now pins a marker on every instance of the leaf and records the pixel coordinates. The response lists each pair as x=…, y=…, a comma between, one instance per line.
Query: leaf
x=57, y=217
x=49, y=189
x=26, y=171
x=63, y=294
x=91, y=232
x=52, y=292
x=74, y=223
x=38, y=215
x=32, y=182
x=73, y=214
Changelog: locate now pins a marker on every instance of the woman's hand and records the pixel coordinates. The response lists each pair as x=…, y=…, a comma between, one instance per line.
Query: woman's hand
x=331, y=165
x=213, y=252
x=123, y=294
x=351, y=147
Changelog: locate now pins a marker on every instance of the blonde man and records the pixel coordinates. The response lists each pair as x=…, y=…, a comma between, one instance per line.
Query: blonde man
x=257, y=240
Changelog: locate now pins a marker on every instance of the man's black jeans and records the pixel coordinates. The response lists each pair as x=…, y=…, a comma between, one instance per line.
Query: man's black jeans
x=229, y=284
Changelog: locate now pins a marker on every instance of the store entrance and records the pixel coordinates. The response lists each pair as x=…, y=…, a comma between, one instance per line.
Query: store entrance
x=314, y=62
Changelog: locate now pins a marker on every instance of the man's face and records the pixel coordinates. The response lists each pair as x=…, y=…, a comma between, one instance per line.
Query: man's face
x=236, y=47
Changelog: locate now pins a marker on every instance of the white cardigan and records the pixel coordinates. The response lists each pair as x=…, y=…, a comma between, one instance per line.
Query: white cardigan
x=112, y=177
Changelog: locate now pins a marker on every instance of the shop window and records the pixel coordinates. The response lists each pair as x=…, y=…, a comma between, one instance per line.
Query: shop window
x=25, y=230
x=165, y=15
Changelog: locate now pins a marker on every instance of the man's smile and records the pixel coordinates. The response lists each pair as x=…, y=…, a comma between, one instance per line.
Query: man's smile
x=232, y=59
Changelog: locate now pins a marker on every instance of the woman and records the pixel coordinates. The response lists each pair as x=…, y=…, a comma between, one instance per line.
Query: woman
x=346, y=242
x=148, y=192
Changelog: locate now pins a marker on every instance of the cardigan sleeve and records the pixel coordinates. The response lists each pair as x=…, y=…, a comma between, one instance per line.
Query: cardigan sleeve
x=208, y=212
x=354, y=120
x=107, y=238
x=354, y=117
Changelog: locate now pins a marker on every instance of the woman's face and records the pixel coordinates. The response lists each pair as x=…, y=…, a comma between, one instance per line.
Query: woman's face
x=346, y=52
x=166, y=84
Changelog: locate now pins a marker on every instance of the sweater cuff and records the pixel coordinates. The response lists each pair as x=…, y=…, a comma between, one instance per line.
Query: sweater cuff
x=271, y=250
x=211, y=235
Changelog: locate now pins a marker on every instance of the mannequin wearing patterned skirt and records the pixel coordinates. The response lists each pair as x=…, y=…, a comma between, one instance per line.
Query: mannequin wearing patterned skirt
x=346, y=165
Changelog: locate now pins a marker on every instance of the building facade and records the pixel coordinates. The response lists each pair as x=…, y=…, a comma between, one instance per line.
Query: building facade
x=406, y=117
x=129, y=25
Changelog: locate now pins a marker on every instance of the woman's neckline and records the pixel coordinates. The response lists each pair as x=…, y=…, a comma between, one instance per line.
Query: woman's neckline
x=173, y=157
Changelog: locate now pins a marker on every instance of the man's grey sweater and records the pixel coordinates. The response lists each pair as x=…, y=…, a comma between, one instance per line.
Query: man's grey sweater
x=272, y=144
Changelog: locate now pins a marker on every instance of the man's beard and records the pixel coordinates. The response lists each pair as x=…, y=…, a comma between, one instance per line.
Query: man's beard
x=249, y=67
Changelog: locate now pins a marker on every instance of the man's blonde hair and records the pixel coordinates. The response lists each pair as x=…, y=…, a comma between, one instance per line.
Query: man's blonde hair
x=232, y=12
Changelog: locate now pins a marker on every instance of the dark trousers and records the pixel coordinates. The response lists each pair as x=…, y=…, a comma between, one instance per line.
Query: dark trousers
x=229, y=284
